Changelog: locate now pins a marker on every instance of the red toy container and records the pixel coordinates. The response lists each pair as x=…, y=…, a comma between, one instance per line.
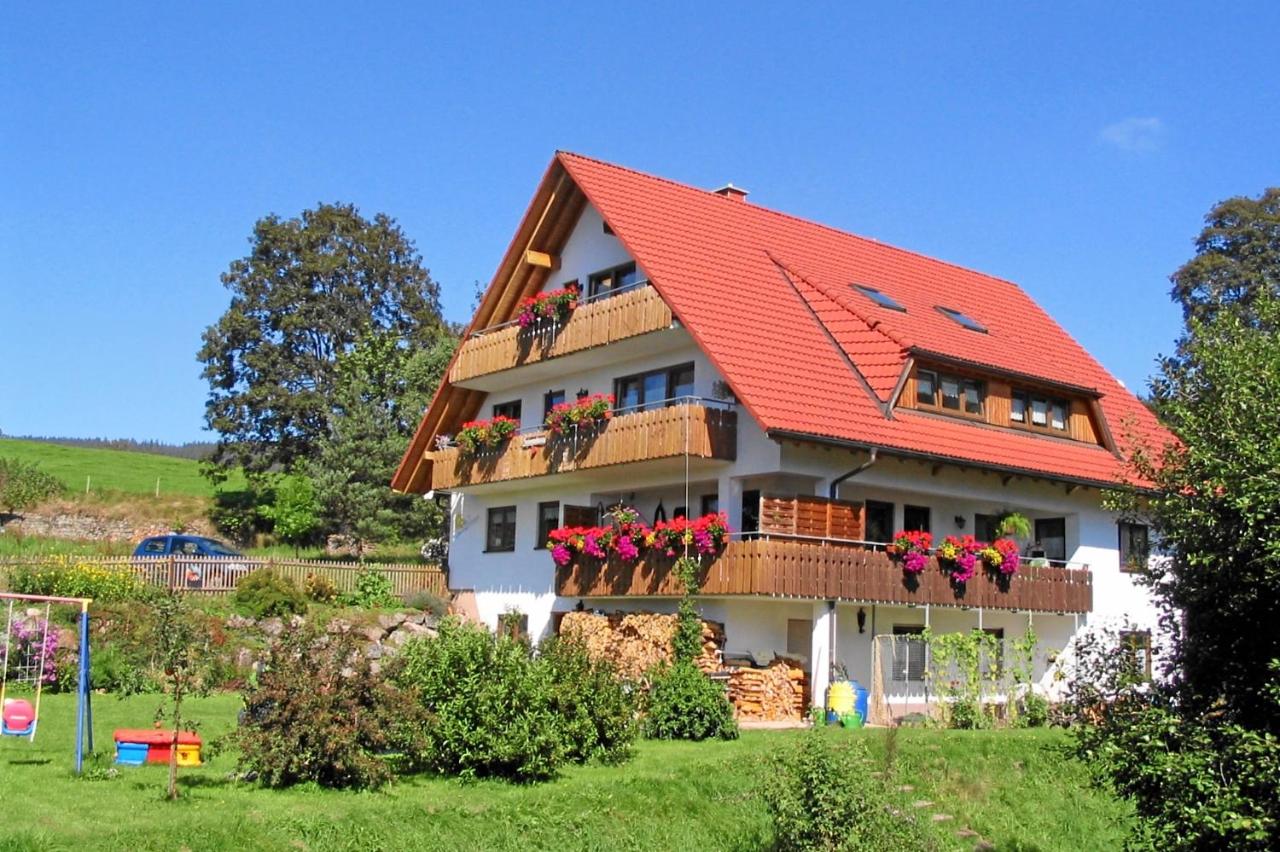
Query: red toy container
x=159, y=743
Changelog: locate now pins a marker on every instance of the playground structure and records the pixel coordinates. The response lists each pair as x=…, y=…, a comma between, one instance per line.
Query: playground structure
x=28, y=665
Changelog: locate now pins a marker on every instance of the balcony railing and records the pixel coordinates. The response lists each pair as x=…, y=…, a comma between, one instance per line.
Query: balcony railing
x=598, y=322
x=700, y=428
x=785, y=567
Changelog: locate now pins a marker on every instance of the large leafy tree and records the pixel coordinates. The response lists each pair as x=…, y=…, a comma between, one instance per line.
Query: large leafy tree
x=1236, y=259
x=309, y=288
x=381, y=389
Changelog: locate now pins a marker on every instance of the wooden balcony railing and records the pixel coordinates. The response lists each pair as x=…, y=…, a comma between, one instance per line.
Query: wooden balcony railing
x=689, y=427
x=831, y=571
x=628, y=314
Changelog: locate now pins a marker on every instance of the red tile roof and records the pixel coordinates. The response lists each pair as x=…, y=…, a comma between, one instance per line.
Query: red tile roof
x=768, y=297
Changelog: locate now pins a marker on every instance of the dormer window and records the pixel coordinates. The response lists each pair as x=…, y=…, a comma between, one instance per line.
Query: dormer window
x=1040, y=412
x=882, y=299
x=950, y=393
x=962, y=319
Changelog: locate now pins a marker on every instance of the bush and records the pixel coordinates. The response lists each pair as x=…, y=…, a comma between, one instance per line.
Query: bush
x=76, y=577
x=428, y=602
x=491, y=707
x=264, y=593
x=373, y=590
x=823, y=793
x=1033, y=711
x=24, y=484
x=320, y=588
x=320, y=713
x=110, y=669
x=684, y=704
x=597, y=709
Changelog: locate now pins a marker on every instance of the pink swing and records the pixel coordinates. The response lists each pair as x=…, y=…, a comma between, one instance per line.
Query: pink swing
x=19, y=718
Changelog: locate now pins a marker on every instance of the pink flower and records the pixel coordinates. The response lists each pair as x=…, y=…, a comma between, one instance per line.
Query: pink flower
x=561, y=555
x=627, y=549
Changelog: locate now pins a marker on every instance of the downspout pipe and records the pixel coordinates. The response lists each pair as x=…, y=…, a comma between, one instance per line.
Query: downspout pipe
x=834, y=488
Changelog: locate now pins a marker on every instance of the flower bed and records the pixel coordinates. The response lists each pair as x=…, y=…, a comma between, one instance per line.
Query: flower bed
x=628, y=537
x=585, y=411
x=553, y=305
x=479, y=434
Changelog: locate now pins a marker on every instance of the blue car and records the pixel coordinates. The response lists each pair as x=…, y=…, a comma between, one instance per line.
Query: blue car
x=197, y=562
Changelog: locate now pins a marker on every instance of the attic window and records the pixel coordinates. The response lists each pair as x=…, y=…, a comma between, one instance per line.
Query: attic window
x=879, y=298
x=963, y=319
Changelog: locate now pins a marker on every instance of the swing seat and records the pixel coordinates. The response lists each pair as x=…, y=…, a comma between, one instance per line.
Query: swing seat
x=19, y=718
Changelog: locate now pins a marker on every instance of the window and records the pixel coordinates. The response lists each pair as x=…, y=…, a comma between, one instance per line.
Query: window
x=649, y=390
x=548, y=519
x=908, y=653
x=610, y=281
x=879, y=521
x=1018, y=407
x=1051, y=538
x=501, y=530
x=1135, y=546
x=963, y=319
x=799, y=637
x=154, y=546
x=916, y=518
x=1039, y=411
x=710, y=504
x=750, y=511
x=507, y=409
x=1058, y=414
x=939, y=390
x=550, y=400
x=1135, y=645
x=879, y=298
x=986, y=527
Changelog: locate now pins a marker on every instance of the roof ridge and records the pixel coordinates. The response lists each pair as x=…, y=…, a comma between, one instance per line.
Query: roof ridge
x=791, y=216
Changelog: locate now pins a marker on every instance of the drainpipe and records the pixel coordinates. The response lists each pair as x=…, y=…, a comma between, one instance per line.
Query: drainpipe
x=834, y=488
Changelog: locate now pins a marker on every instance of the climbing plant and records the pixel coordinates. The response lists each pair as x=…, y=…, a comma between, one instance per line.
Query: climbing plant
x=957, y=673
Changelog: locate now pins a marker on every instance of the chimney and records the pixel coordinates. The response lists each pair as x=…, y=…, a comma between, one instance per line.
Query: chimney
x=731, y=191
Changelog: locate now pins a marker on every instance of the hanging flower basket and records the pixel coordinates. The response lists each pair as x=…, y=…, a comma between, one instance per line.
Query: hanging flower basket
x=586, y=411
x=555, y=305
x=959, y=557
x=628, y=537
x=1001, y=557
x=911, y=548
x=485, y=434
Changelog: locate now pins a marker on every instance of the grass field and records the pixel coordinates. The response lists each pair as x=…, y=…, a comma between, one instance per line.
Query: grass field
x=114, y=470
x=1014, y=788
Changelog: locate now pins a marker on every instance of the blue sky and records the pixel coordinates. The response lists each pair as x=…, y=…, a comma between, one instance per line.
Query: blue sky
x=1072, y=150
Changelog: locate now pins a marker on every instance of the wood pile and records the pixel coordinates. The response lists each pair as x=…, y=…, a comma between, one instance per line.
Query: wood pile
x=638, y=641
x=774, y=693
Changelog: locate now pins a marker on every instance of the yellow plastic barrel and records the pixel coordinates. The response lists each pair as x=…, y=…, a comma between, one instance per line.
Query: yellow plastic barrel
x=840, y=697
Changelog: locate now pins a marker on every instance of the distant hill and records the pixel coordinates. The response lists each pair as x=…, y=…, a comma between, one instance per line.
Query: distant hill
x=130, y=472
x=194, y=450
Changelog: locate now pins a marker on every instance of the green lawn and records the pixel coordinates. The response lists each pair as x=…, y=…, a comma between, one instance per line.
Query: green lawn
x=1013, y=787
x=114, y=470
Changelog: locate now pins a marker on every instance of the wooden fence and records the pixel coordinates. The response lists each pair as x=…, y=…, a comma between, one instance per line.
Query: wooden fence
x=219, y=575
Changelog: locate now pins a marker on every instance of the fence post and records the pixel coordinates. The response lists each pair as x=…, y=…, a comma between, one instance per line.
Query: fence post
x=173, y=578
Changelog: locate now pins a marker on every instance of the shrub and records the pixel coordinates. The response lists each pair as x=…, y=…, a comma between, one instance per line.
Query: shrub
x=24, y=484
x=320, y=713
x=428, y=602
x=597, y=709
x=264, y=593
x=823, y=793
x=110, y=669
x=76, y=577
x=684, y=704
x=373, y=589
x=320, y=588
x=491, y=708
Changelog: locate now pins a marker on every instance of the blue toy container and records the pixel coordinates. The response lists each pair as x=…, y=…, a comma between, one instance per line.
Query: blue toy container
x=131, y=754
x=860, y=700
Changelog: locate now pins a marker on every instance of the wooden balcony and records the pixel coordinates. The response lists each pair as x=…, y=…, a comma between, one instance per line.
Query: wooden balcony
x=661, y=433
x=628, y=314
x=778, y=567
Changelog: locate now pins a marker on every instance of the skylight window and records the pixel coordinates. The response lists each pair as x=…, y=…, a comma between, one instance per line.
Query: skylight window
x=963, y=319
x=881, y=299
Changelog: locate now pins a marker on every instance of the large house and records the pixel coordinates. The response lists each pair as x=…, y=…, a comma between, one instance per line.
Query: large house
x=822, y=390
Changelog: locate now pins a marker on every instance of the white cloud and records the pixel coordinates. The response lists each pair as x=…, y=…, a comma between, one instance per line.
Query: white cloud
x=1137, y=133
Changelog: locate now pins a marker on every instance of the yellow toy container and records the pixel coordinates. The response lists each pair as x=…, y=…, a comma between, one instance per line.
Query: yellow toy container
x=188, y=755
x=840, y=698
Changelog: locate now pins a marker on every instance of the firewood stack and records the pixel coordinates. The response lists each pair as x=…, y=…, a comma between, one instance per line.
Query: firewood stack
x=638, y=641
x=774, y=693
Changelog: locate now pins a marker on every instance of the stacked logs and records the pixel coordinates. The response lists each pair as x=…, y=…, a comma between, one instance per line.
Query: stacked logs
x=638, y=641
x=774, y=693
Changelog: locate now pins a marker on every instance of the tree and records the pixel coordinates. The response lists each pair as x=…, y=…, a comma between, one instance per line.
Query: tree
x=181, y=642
x=309, y=288
x=1237, y=258
x=380, y=392
x=295, y=511
x=24, y=484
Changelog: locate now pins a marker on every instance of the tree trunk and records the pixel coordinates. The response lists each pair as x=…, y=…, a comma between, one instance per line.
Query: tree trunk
x=173, y=746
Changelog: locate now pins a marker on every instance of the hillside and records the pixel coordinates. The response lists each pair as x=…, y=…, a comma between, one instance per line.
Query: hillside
x=114, y=470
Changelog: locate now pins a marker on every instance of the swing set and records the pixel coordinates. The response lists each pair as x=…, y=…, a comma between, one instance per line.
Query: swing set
x=27, y=665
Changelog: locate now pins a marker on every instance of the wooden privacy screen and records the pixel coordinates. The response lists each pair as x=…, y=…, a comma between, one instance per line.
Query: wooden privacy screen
x=812, y=517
